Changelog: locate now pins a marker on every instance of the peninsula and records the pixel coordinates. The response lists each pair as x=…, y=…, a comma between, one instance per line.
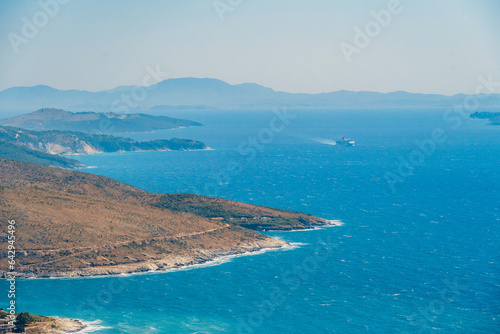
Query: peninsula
x=91, y=122
x=44, y=147
x=70, y=223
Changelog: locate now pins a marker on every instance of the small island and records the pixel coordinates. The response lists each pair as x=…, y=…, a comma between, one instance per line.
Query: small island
x=493, y=117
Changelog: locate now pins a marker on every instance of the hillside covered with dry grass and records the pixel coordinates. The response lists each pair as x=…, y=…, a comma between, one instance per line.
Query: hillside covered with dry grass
x=70, y=223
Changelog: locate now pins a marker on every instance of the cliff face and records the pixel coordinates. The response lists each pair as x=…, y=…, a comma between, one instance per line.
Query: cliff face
x=68, y=142
x=70, y=223
x=26, y=154
x=69, y=133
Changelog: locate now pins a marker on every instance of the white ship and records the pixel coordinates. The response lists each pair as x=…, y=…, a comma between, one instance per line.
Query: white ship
x=346, y=142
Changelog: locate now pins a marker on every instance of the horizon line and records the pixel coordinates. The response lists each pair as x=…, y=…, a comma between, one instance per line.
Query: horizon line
x=252, y=83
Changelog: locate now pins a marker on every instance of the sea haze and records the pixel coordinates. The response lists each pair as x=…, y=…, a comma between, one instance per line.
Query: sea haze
x=421, y=257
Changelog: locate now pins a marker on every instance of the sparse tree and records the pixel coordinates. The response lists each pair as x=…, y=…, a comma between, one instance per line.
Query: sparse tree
x=23, y=319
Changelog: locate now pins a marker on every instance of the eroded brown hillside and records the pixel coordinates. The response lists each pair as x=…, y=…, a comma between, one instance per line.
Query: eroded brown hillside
x=70, y=223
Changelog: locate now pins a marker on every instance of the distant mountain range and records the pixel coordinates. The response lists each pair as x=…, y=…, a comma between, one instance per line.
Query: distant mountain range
x=91, y=122
x=185, y=93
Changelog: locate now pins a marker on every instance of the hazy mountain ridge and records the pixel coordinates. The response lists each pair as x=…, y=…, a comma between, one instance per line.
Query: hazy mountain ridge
x=215, y=93
x=91, y=122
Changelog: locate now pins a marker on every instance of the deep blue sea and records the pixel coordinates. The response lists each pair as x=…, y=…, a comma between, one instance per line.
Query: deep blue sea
x=418, y=251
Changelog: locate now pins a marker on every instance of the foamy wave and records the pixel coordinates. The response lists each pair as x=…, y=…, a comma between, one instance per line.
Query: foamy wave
x=320, y=140
x=325, y=141
x=331, y=223
x=294, y=245
x=210, y=263
x=299, y=230
x=223, y=259
x=334, y=222
x=92, y=326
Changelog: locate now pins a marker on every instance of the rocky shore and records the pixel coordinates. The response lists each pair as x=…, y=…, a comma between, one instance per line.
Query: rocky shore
x=165, y=264
x=58, y=326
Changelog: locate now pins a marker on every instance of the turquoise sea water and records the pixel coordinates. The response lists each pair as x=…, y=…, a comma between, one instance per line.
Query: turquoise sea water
x=421, y=257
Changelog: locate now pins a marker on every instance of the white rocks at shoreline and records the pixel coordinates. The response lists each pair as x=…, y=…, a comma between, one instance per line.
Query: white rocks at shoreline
x=59, y=326
x=173, y=262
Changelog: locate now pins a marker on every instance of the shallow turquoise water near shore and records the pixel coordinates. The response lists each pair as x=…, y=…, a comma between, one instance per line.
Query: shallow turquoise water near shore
x=421, y=259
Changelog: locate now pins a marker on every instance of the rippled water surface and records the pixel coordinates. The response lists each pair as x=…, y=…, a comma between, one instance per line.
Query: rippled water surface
x=421, y=257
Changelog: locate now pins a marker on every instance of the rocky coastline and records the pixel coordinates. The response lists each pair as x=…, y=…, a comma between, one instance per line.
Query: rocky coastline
x=165, y=264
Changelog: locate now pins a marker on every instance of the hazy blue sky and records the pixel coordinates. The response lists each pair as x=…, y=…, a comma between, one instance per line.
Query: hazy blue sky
x=431, y=46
